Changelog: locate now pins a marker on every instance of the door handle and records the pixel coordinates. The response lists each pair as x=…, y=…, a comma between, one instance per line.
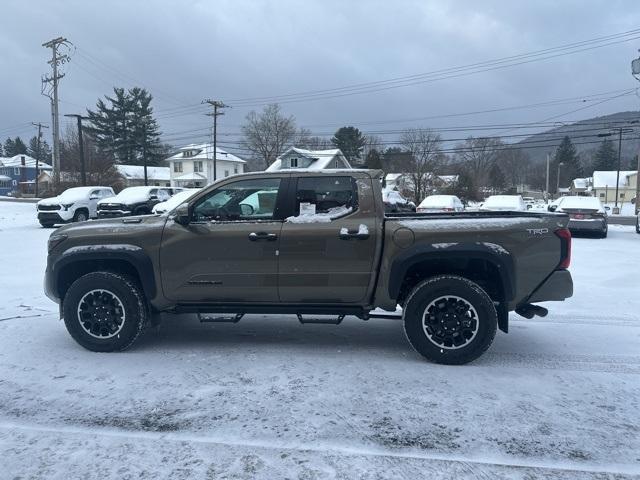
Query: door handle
x=348, y=235
x=269, y=237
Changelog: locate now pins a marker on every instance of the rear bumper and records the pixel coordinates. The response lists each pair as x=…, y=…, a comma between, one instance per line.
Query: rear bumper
x=589, y=225
x=558, y=287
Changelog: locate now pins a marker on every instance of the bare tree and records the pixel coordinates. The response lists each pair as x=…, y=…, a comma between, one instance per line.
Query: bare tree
x=514, y=163
x=478, y=156
x=268, y=133
x=425, y=148
x=304, y=139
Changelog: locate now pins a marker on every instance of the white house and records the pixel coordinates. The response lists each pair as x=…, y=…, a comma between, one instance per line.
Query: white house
x=604, y=185
x=192, y=166
x=133, y=175
x=309, y=159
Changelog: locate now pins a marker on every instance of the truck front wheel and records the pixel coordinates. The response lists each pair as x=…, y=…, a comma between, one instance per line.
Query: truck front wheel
x=105, y=311
x=449, y=319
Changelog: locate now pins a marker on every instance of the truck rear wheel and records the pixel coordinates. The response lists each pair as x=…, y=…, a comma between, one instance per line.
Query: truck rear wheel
x=105, y=311
x=449, y=319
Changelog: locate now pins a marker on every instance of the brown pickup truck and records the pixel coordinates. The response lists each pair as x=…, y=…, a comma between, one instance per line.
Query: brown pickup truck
x=316, y=244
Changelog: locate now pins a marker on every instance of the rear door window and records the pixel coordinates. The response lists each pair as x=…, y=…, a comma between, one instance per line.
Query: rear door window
x=325, y=195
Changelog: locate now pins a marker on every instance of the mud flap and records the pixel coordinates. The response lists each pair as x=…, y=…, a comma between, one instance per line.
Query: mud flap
x=503, y=317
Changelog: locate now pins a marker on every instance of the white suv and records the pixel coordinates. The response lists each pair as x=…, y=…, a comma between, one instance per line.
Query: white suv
x=73, y=205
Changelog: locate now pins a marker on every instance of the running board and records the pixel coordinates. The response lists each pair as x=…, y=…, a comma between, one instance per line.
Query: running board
x=328, y=321
x=204, y=318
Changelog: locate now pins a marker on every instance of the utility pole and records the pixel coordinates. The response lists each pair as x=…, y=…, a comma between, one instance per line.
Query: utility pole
x=618, y=167
x=546, y=192
x=638, y=185
x=40, y=126
x=83, y=168
x=57, y=59
x=216, y=104
x=561, y=164
x=144, y=152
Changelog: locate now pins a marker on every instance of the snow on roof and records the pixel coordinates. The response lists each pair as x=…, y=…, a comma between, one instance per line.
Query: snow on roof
x=603, y=179
x=136, y=172
x=321, y=158
x=393, y=176
x=191, y=176
x=204, y=151
x=16, y=161
x=448, y=178
x=580, y=183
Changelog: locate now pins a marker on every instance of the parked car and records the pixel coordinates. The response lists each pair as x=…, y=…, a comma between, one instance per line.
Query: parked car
x=73, y=205
x=503, y=203
x=132, y=201
x=586, y=214
x=180, y=197
x=318, y=245
x=394, y=202
x=638, y=222
x=440, y=203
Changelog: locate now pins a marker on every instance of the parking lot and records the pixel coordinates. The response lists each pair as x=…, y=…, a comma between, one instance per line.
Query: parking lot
x=268, y=398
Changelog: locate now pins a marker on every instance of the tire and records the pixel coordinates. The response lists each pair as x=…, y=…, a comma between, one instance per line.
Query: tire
x=459, y=345
x=46, y=225
x=121, y=304
x=80, y=216
x=638, y=225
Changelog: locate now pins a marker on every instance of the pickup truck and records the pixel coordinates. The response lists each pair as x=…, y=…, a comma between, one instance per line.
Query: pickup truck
x=316, y=244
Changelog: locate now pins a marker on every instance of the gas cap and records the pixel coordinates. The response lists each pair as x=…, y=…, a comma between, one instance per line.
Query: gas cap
x=403, y=237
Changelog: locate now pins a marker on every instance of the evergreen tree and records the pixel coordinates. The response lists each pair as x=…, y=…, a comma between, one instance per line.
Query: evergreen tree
x=1, y=151
x=497, y=179
x=42, y=152
x=606, y=157
x=14, y=147
x=571, y=167
x=124, y=127
x=374, y=160
x=350, y=141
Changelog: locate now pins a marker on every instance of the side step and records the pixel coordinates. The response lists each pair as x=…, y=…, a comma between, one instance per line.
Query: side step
x=205, y=318
x=330, y=321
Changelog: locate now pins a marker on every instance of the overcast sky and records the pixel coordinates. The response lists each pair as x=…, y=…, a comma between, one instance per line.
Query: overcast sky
x=183, y=52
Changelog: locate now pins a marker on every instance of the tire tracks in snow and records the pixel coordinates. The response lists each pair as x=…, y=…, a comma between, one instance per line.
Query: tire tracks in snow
x=334, y=449
x=627, y=364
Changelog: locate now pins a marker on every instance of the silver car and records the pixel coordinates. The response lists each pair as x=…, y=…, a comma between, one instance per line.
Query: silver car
x=586, y=215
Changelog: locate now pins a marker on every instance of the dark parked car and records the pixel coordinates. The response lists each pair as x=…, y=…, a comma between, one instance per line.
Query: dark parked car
x=586, y=214
x=132, y=201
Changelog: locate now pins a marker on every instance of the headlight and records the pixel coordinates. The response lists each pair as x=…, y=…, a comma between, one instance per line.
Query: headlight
x=67, y=205
x=55, y=239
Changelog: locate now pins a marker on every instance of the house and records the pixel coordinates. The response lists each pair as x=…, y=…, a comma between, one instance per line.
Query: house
x=18, y=174
x=604, y=185
x=192, y=166
x=133, y=175
x=309, y=159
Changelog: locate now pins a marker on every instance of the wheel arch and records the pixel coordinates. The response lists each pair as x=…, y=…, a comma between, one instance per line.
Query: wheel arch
x=488, y=265
x=126, y=259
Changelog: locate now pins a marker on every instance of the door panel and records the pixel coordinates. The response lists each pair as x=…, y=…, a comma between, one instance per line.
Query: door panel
x=319, y=265
x=228, y=252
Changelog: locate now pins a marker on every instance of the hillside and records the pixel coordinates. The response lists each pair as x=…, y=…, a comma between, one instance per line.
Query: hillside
x=584, y=134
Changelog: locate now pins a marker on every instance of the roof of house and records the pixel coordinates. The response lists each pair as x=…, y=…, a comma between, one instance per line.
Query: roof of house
x=321, y=159
x=136, y=172
x=195, y=176
x=204, y=152
x=603, y=179
x=16, y=161
x=581, y=183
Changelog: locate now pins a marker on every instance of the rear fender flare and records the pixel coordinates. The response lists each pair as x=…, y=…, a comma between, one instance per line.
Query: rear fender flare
x=489, y=252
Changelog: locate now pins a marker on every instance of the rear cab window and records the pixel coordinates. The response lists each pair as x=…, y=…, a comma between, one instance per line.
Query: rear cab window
x=334, y=196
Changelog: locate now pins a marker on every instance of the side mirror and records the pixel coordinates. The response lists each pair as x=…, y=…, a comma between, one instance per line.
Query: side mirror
x=94, y=197
x=607, y=208
x=552, y=208
x=153, y=197
x=181, y=214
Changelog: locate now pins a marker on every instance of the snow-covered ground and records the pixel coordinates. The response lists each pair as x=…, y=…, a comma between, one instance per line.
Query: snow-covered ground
x=268, y=398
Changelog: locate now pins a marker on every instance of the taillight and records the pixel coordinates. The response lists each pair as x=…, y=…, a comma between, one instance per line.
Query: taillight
x=449, y=209
x=565, y=247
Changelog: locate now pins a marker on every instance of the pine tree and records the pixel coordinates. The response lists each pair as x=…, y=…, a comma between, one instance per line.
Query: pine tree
x=124, y=127
x=606, y=157
x=1, y=151
x=350, y=141
x=374, y=160
x=571, y=167
x=14, y=147
x=41, y=152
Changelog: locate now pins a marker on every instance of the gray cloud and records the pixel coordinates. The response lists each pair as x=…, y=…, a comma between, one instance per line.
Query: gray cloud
x=186, y=51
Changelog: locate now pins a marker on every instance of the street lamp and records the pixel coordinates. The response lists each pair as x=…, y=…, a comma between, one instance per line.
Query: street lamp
x=558, y=179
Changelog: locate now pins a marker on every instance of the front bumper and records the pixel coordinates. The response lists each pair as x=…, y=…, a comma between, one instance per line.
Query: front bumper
x=113, y=213
x=53, y=217
x=557, y=287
